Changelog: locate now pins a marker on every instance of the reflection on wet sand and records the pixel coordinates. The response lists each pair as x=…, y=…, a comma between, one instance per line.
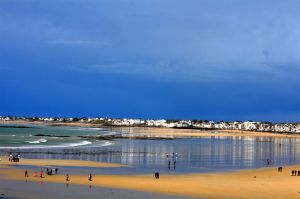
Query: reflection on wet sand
x=208, y=153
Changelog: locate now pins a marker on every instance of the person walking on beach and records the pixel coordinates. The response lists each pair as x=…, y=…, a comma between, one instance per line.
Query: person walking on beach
x=41, y=174
x=156, y=175
x=56, y=171
x=90, y=177
x=268, y=162
x=67, y=177
x=26, y=174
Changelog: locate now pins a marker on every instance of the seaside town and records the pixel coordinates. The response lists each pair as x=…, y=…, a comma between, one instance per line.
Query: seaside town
x=192, y=124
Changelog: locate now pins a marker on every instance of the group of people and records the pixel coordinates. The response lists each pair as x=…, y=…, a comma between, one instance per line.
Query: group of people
x=14, y=158
x=49, y=172
x=174, y=158
x=295, y=173
x=52, y=171
x=90, y=178
x=35, y=174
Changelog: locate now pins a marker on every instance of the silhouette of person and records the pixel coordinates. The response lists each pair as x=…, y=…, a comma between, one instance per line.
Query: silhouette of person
x=26, y=174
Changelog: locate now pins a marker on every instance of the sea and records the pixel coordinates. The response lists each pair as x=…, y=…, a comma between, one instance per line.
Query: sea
x=181, y=155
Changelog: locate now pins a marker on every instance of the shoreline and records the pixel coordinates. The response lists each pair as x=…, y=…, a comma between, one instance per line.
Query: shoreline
x=162, y=131
x=58, y=162
x=265, y=183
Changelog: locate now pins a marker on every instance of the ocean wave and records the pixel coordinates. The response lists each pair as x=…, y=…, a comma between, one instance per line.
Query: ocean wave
x=107, y=143
x=37, y=141
x=82, y=143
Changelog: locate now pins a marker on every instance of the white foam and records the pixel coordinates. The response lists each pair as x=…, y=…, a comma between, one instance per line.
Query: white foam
x=37, y=141
x=107, y=143
x=82, y=143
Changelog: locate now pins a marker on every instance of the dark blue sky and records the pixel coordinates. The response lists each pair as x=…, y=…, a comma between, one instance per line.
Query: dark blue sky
x=194, y=59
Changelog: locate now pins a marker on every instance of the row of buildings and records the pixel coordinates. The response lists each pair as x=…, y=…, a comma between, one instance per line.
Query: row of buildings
x=198, y=124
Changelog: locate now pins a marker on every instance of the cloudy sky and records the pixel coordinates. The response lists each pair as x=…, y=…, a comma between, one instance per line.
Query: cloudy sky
x=192, y=59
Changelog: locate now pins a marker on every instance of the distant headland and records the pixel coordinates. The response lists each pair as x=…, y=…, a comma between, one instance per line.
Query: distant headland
x=162, y=123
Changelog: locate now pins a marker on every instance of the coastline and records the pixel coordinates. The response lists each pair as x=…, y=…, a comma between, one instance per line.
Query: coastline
x=57, y=162
x=265, y=183
x=162, y=131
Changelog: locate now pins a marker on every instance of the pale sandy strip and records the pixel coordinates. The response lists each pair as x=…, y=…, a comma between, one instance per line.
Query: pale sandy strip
x=52, y=162
x=168, y=132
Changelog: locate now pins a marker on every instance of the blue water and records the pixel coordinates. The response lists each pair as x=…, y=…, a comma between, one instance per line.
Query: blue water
x=200, y=154
x=25, y=137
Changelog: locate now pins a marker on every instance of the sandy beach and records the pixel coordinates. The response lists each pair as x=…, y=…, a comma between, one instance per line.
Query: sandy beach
x=265, y=183
x=52, y=162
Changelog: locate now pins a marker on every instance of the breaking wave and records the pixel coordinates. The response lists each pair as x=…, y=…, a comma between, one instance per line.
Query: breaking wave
x=37, y=141
x=75, y=144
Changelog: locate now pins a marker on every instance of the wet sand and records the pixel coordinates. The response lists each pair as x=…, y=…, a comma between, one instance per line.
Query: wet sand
x=170, y=132
x=263, y=183
x=53, y=162
x=45, y=190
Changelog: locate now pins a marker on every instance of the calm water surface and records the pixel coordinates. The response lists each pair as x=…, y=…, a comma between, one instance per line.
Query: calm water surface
x=200, y=154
